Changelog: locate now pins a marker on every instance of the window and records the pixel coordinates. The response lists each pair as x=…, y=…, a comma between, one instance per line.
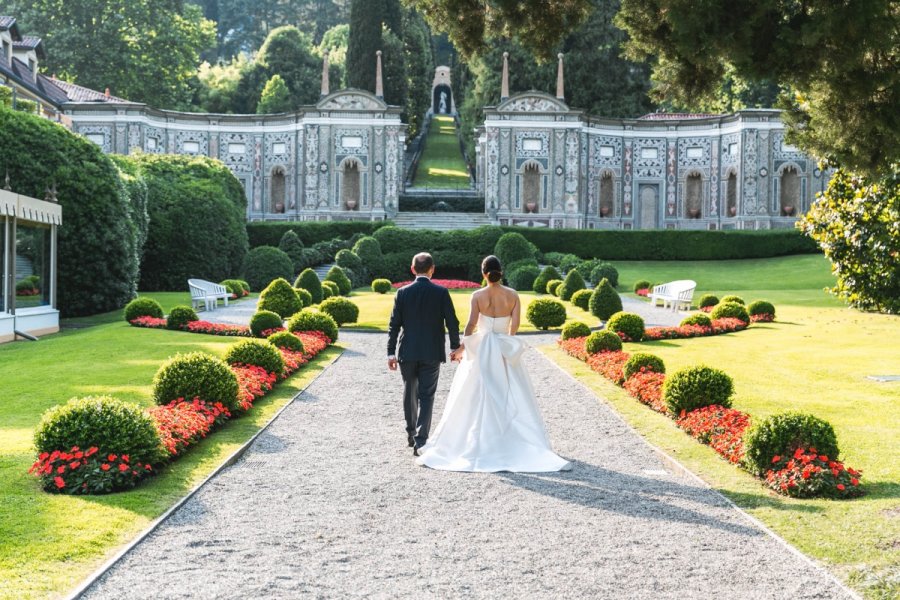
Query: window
x=32, y=265
x=532, y=145
x=191, y=147
x=237, y=148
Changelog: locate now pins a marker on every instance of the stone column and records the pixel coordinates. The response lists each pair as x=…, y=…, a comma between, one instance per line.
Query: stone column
x=379, y=82
x=325, y=82
x=504, y=82
x=560, y=89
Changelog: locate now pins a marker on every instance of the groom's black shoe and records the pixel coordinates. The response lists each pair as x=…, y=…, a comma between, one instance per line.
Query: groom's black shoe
x=412, y=441
x=415, y=451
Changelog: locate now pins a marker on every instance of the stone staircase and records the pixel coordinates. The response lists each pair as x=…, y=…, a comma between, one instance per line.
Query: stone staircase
x=440, y=221
x=322, y=270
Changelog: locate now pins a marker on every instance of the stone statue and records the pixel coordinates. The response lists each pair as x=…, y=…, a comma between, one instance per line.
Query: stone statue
x=442, y=107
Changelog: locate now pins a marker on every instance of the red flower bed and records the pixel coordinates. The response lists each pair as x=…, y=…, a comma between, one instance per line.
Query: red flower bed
x=574, y=347
x=253, y=383
x=31, y=292
x=609, y=364
x=181, y=424
x=721, y=428
x=644, y=292
x=450, y=284
x=646, y=386
x=808, y=474
x=272, y=331
x=718, y=327
x=88, y=472
x=217, y=328
x=707, y=309
x=762, y=318
x=149, y=322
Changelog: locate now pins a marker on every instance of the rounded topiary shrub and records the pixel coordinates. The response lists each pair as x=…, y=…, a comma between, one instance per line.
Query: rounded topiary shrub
x=265, y=264
x=264, y=320
x=368, y=249
x=338, y=276
x=381, y=286
x=259, y=353
x=571, y=284
x=730, y=310
x=309, y=281
x=522, y=278
x=244, y=285
x=549, y=273
x=234, y=287
x=701, y=319
x=305, y=296
x=553, y=286
x=143, y=307
x=513, y=246
x=643, y=360
x=196, y=375
x=348, y=260
x=310, y=319
x=291, y=245
x=575, y=329
x=280, y=298
x=696, y=387
x=341, y=310
x=286, y=340
x=569, y=262
x=582, y=299
x=628, y=323
x=112, y=426
x=782, y=434
x=180, y=316
x=732, y=298
x=605, y=271
x=708, y=300
x=605, y=301
x=641, y=284
x=331, y=288
x=545, y=313
x=761, y=307
x=602, y=341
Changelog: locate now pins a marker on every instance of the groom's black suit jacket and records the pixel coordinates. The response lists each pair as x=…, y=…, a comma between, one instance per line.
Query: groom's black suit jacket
x=421, y=309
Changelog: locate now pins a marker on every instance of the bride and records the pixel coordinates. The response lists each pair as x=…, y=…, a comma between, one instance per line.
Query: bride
x=491, y=421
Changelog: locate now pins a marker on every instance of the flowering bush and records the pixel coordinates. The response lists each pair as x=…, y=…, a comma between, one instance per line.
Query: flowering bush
x=718, y=327
x=609, y=364
x=719, y=427
x=808, y=474
x=149, y=322
x=87, y=472
x=643, y=292
x=574, y=347
x=450, y=284
x=641, y=285
x=181, y=424
x=646, y=386
x=762, y=318
x=218, y=329
x=253, y=383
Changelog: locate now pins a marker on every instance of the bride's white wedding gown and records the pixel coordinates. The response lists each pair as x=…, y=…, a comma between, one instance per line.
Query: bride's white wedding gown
x=491, y=421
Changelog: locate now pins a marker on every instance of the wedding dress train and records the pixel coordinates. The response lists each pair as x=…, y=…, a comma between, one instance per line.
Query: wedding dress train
x=491, y=421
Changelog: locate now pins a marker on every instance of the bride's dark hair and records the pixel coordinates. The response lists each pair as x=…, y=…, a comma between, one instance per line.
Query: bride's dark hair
x=491, y=268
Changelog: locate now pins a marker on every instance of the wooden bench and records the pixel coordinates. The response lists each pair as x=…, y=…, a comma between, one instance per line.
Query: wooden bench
x=675, y=294
x=207, y=293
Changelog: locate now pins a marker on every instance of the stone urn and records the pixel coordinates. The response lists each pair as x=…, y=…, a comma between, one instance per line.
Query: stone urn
x=279, y=207
x=604, y=211
x=694, y=213
x=530, y=207
x=350, y=204
x=788, y=210
x=732, y=210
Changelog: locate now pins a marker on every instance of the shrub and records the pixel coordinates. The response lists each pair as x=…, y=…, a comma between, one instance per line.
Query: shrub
x=605, y=271
x=143, y=307
x=582, y=299
x=309, y=281
x=641, y=284
x=575, y=329
x=305, y=296
x=512, y=247
x=264, y=320
x=545, y=313
x=630, y=324
x=310, y=319
x=696, y=387
x=605, y=302
x=259, y=353
x=569, y=262
x=553, y=258
x=782, y=434
x=331, y=287
x=708, y=300
x=571, y=284
x=234, y=287
x=732, y=298
x=553, y=286
x=196, y=375
x=111, y=425
x=280, y=298
x=341, y=310
x=730, y=310
x=518, y=264
x=286, y=340
x=701, y=319
x=523, y=278
x=761, y=307
x=643, y=360
x=548, y=274
x=381, y=286
x=265, y=264
x=180, y=316
x=337, y=275
x=244, y=285
x=369, y=252
x=602, y=341
x=268, y=233
x=291, y=245
x=348, y=260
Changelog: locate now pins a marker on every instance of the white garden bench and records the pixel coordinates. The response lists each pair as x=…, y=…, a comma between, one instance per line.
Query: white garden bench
x=207, y=293
x=675, y=294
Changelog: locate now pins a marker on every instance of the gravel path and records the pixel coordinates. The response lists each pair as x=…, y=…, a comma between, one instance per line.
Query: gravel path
x=328, y=503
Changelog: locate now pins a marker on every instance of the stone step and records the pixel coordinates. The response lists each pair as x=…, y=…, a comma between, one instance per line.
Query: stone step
x=322, y=270
x=440, y=221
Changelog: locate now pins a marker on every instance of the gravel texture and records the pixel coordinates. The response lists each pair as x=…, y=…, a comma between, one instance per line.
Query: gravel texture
x=328, y=503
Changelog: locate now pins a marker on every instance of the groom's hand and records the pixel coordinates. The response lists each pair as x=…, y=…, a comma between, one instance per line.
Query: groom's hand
x=457, y=354
x=392, y=363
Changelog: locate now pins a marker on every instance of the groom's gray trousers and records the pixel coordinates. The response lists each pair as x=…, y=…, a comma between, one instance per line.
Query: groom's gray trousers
x=420, y=378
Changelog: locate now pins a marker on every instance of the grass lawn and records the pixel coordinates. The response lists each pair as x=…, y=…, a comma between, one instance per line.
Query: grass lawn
x=49, y=543
x=441, y=165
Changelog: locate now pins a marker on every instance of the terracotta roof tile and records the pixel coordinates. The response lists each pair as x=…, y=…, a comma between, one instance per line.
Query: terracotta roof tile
x=77, y=93
x=661, y=116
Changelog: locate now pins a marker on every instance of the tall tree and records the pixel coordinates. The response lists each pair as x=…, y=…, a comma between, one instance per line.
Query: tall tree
x=289, y=52
x=419, y=69
x=275, y=97
x=335, y=42
x=144, y=50
x=365, y=40
x=393, y=62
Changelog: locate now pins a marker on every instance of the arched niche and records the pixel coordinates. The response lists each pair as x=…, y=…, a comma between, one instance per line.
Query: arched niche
x=693, y=195
x=277, y=190
x=789, y=194
x=606, y=195
x=531, y=187
x=350, y=185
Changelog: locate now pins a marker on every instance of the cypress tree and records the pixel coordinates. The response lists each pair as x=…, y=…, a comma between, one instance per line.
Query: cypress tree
x=365, y=40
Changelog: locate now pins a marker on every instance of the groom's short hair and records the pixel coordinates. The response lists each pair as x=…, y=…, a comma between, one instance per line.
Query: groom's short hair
x=422, y=263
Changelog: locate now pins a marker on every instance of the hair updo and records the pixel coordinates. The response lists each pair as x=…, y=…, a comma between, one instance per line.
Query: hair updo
x=491, y=268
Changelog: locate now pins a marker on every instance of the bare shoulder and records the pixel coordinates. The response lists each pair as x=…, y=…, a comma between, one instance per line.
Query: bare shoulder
x=512, y=294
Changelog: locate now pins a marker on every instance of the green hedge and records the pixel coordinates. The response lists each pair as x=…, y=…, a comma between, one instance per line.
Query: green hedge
x=270, y=234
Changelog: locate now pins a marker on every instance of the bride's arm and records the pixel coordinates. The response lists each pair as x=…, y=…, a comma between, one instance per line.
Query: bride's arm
x=473, y=316
x=516, y=317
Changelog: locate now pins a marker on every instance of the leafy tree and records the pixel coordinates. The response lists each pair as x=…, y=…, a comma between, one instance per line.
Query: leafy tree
x=393, y=62
x=275, y=97
x=218, y=85
x=365, y=40
x=335, y=42
x=419, y=69
x=289, y=53
x=143, y=50
x=839, y=60
x=857, y=223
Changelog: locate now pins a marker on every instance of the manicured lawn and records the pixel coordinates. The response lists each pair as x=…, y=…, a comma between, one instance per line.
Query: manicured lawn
x=49, y=543
x=441, y=165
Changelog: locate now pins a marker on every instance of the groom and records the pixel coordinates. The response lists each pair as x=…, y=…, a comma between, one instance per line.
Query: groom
x=421, y=309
